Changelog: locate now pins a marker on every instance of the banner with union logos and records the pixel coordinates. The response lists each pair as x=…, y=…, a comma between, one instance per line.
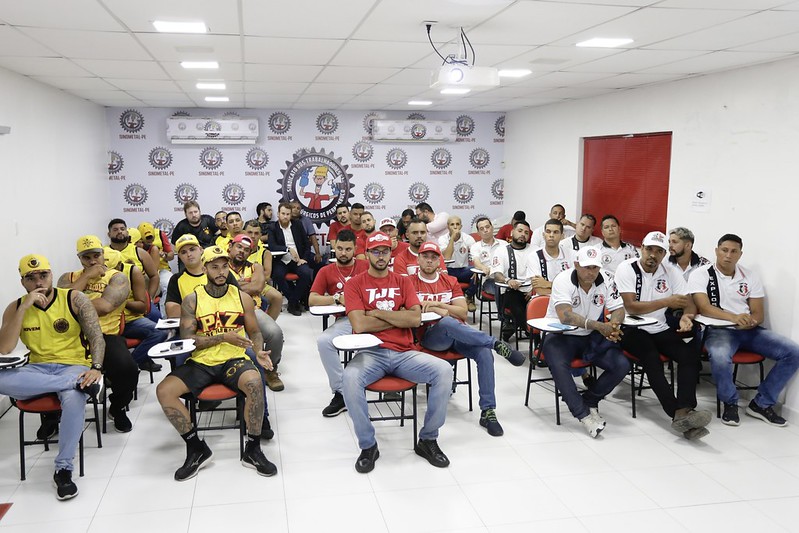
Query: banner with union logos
x=323, y=159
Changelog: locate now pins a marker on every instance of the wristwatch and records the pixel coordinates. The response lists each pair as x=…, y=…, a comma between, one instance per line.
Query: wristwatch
x=337, y=299
x=98, y=366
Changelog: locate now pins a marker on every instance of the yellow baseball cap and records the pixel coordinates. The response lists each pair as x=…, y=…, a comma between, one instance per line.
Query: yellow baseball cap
x=33, y=263
x=214, y=252
x=188, y=238
x=112, y=257
x=89, y=243
x=134, y=234
x=146, y=229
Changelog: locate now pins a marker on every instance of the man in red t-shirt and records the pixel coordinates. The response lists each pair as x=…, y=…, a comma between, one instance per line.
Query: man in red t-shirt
x=368, y=228
x=328, y=289
x=406, y=262
x=389, y=227
x=342, y=222
x=441, y=293
x=385, y=304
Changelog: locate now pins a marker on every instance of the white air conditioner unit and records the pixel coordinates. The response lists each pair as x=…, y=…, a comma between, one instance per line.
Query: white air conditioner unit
x=196, y=130
x=416, y=131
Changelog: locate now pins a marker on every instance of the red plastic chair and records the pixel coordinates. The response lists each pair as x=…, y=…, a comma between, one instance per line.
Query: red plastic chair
x=393, y=384
x=213, y=393
x=452, y=357
x=637, y=369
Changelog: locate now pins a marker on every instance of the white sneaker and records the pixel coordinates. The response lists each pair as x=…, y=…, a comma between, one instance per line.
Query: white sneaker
x=594, y=411
x=593, y=425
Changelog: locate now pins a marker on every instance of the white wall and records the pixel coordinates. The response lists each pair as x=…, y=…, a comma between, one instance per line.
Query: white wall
x=735, y=133
x=53, y=176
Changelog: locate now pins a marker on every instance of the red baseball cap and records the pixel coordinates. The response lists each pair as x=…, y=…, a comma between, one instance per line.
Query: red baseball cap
x=244, y=239
x=378, y=239
x=430, y=246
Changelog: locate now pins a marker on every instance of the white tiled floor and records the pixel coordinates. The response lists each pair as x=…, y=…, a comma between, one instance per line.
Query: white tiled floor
x=637, y=475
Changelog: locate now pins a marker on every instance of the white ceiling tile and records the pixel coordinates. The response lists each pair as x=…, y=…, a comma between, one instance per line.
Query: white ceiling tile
x=401, y=20
x=226, y=71
x=380, y=54
x=275, y=101
x=182, y=47
x=325, y=99
x=350, y=89
x=157, y=95
x=553, y=58
x=119, y=102
x=715, y=61
x=77, y=15
x=630, y=80
x=44, y=66
x=410, y=76
x=397, y=91
x=536, y=23
x=144, y=85
x=220, y=16
x=75, y=83
x=373, y=100
x=355, y=74
x=633, y=60
x=323, y=20
x=15, y=43
x=292, y=73
x=746, y=30
x=98, y=94
x=746, y=5
x=290, y=51
x=786, y=43
x=561, y=79
x=89, y=44
x=230, y=86
x=633, y=3
x=652, y=25
x=170, y=102
x=275, y=88
x=107, y=68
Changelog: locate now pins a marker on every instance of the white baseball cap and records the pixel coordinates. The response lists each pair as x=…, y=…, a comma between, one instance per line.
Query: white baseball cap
x=656, y=238
x=589, y=256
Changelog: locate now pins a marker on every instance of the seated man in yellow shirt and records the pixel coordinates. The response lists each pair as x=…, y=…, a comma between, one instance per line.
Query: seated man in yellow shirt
x=216, y=316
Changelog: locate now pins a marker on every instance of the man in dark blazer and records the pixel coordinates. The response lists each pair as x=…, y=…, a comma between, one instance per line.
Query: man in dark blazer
x=290, y=237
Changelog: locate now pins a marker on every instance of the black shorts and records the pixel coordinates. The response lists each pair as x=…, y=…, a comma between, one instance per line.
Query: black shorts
x=197, y=376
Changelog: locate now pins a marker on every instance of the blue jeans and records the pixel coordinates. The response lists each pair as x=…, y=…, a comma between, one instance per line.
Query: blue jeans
x=331, y=361
x=464, y=275
x=722, y=344
x=448, y=333
x=36, y=379
x=143, y=328
x=372, y=364
x=559, y=350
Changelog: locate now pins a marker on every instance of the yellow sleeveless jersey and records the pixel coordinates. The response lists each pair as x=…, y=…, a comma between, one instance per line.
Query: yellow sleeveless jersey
x=258, y=255
x=216, y=316
x=129, y=255
x=127, y=269
x=187, y=282
x=53, y=335
x=246, y=272
x=223, y=242
x=111, y=322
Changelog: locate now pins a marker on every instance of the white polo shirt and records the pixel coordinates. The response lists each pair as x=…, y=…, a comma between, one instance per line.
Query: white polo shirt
x=612, y=258
x=484, y=252
x=566, y=290
x=537, y=238
x=733, y=291
x=500, y=262
x=553, y=265
x=696, y=262
x=662, y=283
x=571, y=244
x=460, y=250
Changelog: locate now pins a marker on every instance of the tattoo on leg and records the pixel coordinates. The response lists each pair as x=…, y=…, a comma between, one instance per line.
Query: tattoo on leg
x=178, y=419
x=254, y=405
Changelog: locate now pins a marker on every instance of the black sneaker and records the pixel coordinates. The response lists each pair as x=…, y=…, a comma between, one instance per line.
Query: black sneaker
x=514, y=357
x=195, y=460
x=488, y=419
x=429, y=450
x=121, y=421
x=507, y=332
x=49, y=427
x=64, y=487
x=366, y=461
x=766, y=414
x=336, y=407
x=730, y=416
x=588, y=380
x=254, y=458
x=266, y=430
x=92, y=390
x=148, y=365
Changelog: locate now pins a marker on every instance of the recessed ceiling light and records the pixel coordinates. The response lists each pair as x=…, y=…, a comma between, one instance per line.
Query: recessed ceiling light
x=199, y=64
x=515, y=72
x=165, y=26
x=420, y=102
x=456, y=90
x=603, y=42
x=212, y=86
x=217, y=99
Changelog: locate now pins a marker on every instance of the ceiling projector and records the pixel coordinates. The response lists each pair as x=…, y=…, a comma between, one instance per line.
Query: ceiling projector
x=455, y=75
